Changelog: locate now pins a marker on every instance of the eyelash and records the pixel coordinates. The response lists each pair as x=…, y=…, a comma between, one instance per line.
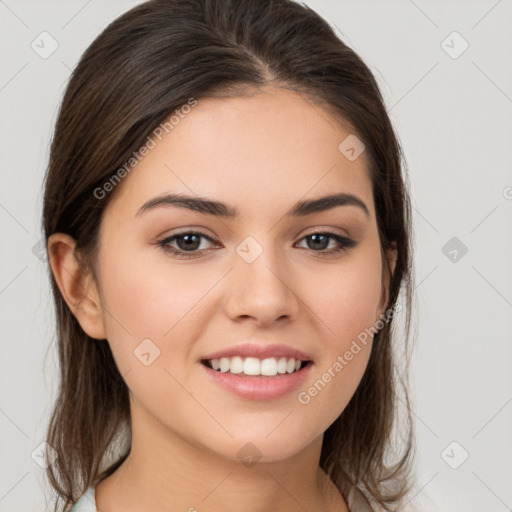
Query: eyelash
x=346, y=244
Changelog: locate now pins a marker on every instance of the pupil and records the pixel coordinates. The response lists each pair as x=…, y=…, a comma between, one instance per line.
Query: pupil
x=319, y=235
x=189, y=242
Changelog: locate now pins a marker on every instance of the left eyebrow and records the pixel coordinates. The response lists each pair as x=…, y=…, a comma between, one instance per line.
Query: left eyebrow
x=219, y=209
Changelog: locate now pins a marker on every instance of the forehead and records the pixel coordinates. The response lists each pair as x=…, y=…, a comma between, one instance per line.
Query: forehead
x=261, y=150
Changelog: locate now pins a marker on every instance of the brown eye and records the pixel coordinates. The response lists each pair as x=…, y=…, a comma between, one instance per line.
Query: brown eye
x=319, y=242
x=187, y=242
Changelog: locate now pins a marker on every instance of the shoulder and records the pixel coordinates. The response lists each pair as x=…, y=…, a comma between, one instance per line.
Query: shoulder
x=86, y=503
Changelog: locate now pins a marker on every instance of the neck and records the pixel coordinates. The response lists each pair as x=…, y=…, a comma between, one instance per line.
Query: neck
x=166, y=472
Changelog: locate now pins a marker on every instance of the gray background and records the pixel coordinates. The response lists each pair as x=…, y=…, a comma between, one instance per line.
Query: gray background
x=453, y=116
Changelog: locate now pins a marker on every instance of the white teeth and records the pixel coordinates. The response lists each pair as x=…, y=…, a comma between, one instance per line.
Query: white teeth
x=254, y=366
x=269, y=366
x=224, y=364
x=281, y=365
x=236, y=365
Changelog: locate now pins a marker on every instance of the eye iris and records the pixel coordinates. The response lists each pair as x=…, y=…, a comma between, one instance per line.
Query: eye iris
x=190, y=244
x=313, y=238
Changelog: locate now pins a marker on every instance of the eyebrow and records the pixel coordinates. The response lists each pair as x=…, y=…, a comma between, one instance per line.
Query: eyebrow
x=219, y=209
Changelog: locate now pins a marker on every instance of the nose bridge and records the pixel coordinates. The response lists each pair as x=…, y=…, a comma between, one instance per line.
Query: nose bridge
x=258, y=263
x=261, y=287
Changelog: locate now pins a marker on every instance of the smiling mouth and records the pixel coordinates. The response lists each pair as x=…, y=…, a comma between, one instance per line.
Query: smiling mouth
x=254, y=367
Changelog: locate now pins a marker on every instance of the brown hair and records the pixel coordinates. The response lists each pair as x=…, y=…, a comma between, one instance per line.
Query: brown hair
x=142, y=67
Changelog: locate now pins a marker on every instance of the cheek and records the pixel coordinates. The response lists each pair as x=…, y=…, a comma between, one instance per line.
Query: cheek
x=149, y=300
x=344, y=301
x=150, y=315
x=345, y=297
x=161, y=303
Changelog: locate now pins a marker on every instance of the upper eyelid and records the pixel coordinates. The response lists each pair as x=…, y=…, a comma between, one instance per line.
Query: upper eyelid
x=189, y=232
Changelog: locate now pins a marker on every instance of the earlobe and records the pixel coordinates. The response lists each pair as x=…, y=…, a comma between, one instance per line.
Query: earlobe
x=76, y=286
x=392, y=254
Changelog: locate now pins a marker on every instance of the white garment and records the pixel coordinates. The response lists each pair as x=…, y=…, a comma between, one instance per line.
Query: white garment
x=87, y=503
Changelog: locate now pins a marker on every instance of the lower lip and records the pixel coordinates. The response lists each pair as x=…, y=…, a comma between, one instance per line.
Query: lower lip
x=258, y=387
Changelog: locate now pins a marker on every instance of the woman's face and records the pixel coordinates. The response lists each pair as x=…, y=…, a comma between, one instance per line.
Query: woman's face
x=258, y=278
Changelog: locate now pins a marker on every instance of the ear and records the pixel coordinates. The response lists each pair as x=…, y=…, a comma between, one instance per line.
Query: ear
x=391, y=255
x=77, y=286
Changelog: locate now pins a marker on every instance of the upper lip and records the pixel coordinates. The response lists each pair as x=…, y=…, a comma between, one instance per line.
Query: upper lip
x=261, y=351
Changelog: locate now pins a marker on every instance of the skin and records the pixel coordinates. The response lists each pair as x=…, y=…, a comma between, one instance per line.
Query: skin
x=259, y=153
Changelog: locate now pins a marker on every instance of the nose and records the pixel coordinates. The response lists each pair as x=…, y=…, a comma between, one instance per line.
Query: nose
x=261, y=290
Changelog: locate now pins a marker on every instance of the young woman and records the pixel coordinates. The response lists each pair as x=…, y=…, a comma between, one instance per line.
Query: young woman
x=228, y=230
